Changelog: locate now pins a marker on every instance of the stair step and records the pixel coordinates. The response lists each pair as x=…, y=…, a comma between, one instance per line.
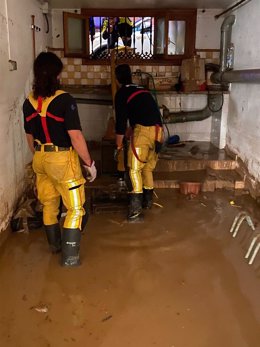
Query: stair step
x=209, y=178
x=164, y=165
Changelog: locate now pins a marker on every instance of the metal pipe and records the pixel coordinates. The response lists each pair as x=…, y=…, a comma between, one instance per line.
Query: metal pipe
x=182, y=117
x=33, y=36
x=225, y=40
x=231, y=8
x=237, y=76
x=214, y=105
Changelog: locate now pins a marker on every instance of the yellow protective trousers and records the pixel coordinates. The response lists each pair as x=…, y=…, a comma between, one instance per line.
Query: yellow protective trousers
x=142, y=163
x=59, y=174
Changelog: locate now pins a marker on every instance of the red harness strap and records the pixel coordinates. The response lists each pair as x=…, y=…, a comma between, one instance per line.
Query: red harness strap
x=44, y=119
x=134, y=150
x=136, y=93
x=157, y=128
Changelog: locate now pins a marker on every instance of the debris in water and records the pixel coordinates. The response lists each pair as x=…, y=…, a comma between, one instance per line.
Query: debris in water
x=156, y=204
x=232, y=203
x=115, y=222
x=40, y=308
x=203, y=204
x=107, y=318
x=155, y=194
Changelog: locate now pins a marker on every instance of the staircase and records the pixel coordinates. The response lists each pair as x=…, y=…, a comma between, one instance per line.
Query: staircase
x=197, y=162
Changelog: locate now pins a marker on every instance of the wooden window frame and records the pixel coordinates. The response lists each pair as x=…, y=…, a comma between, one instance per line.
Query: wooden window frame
x=187, y=15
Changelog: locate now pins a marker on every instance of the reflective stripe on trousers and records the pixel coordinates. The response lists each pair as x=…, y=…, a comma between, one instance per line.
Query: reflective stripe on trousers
x=59, y=174
x=141, y=171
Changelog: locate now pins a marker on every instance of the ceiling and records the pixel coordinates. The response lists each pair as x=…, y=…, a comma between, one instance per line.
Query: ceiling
x=119, y=4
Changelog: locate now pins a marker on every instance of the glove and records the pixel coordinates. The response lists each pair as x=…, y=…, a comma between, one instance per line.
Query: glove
x=117, y=153
x=91, y=171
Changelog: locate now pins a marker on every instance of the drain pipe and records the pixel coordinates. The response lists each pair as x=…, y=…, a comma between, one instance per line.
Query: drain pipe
x=215, y=103
x=182, y=117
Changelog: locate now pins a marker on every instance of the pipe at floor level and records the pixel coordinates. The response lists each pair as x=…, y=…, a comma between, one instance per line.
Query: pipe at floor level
x=214, y=105
x=182, y=117
x=225, y=40
x=237, y=76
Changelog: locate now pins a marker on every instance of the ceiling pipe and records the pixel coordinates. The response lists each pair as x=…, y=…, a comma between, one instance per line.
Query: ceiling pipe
x=232, y=8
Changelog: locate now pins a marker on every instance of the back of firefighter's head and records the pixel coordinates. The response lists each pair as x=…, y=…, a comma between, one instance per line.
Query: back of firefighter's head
x=47, y=67
x=123, y=74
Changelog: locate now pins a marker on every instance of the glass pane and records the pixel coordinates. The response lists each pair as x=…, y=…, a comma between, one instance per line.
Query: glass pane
x=160, y=36
x=76, y=35
x=176, y=37
x=134, y=33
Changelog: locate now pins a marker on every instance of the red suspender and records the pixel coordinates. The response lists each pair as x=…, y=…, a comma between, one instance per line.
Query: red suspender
x=136, y=93
x=43, y=119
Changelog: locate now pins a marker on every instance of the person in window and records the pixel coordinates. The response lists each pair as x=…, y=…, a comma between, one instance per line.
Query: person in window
x=136, y=104
x=125, y=29
x=115, y=27
x=110, y=31
x=53, y=132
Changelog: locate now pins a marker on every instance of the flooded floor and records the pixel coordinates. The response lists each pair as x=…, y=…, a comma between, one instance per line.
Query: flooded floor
x=178, y=279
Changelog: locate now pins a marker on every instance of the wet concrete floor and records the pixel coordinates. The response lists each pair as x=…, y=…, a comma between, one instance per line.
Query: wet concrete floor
x=176, y=280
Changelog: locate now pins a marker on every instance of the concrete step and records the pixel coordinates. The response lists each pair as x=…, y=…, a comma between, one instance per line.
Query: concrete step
x=191, y=155
x=169, y=165
x=210, y=179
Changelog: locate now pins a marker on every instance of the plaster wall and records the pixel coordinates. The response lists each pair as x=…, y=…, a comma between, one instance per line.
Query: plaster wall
x=208, y=29
x=15, y=44
x=243, y=136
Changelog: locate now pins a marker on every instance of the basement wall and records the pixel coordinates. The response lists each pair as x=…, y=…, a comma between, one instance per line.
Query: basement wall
x=95, y=116
x=243, y=136
x=15, y=44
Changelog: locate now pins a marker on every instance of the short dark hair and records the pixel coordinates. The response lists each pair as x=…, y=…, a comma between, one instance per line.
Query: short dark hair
x=123, y=74
x=47, y=66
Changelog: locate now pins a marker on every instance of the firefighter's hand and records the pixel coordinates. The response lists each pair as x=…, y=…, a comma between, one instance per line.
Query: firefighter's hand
x=117, y=153
x=91, y=171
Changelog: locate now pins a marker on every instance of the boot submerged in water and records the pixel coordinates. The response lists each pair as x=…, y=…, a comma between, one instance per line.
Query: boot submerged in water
x=70, y=247
x=147, y=198
x=54, y=237
x=135, y=207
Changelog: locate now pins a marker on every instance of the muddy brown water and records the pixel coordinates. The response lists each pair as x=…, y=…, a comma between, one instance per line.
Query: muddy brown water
x=176, y=280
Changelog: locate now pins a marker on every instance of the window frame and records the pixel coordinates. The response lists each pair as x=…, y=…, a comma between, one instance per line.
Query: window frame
x=187, y=15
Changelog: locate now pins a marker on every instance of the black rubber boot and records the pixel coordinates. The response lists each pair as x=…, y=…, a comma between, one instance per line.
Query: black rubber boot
x=135, y=206
x=70, y=247
x=54, y=237
x=147, y=198
x=85, y=217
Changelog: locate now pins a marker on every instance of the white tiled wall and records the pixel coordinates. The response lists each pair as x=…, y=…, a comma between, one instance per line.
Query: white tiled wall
x=189, y=131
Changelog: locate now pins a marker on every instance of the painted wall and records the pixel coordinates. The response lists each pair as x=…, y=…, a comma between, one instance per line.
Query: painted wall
x=15, y=44
x=244, y=106
x=208, y=29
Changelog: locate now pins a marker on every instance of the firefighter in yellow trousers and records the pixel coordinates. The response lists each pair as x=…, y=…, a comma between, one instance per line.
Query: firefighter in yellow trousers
x=53, y=133
x=135, y=104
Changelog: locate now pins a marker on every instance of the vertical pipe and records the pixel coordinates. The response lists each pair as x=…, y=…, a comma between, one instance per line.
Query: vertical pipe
x=33, y=36
x=225, y=40
x=7, y=30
